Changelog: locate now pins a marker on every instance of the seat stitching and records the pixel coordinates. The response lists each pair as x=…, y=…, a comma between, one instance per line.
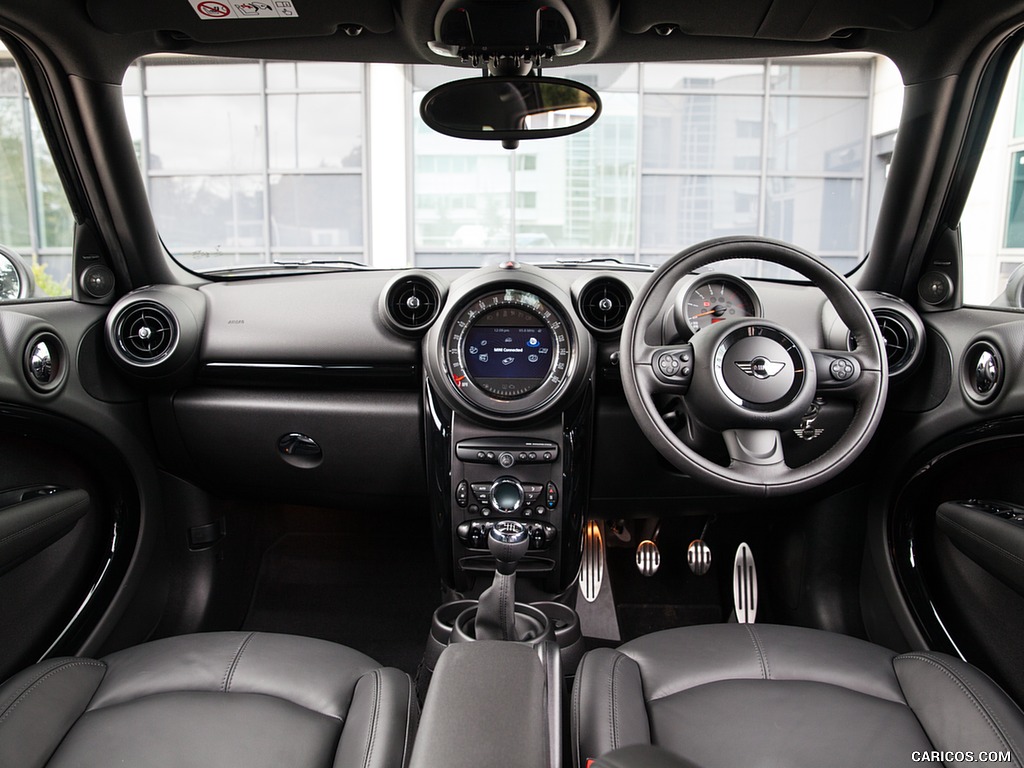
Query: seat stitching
x=765, y=669
x=28, y=691
x=979, y=703
x=47, y=668
x=371, y=736
x=576, y=706
x=502, y=602
x=230, y=673
x=613, y=723
x=44, y=521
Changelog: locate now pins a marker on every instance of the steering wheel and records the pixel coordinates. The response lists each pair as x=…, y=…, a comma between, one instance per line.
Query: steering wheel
x=751, y=379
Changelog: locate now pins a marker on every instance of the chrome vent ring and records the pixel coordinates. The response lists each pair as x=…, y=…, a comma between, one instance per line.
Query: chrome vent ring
x=899, y=337
x=413, y=303
x=145, y=333
x=603, y=304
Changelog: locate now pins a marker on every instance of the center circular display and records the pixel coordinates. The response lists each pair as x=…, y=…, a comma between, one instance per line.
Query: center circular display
x=508, y=350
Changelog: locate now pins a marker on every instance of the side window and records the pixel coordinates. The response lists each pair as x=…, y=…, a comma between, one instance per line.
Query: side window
x=36, y=225
x=992, y=224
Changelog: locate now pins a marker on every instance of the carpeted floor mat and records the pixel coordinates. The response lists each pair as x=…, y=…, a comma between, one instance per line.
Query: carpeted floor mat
x=374, y=598
x=636, y=620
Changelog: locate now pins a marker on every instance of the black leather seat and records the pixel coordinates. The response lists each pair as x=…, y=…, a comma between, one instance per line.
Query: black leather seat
x=748, y=695
x=212, y=700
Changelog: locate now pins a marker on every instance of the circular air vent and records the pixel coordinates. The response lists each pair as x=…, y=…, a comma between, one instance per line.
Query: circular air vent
x=45, y=362
x=145, y=333
x=603, y=304
x=981, y=375
x=899, y=337
x=412, y=303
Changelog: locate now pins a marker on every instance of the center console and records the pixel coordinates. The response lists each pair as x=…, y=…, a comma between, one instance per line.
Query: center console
x=508, y=407
x=508, y=394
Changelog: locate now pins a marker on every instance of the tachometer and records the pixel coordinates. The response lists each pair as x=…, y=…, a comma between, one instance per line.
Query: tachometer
x=716, y=298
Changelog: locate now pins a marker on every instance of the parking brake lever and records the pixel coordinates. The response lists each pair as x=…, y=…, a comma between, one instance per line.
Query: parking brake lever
x=507, y=541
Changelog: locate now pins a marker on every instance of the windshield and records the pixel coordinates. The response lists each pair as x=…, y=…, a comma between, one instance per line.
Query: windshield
x=256, y=163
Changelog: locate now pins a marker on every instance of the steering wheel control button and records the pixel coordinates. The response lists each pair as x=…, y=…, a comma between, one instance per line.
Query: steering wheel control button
x=835, y=372
x=841, y=369
x=675, y=365
x=668, y=364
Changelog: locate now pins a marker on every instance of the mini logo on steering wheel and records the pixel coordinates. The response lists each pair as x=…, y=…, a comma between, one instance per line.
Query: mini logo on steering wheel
x=760, y=367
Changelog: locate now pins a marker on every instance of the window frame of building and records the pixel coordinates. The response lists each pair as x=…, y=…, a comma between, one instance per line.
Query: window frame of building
x=267, y=172
x=763, y=175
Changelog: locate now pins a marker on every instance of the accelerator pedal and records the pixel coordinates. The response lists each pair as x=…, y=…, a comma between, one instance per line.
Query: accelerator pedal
x=744, y=585
x=592, y=564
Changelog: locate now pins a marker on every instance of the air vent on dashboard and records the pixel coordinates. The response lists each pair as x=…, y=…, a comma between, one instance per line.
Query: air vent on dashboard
x=145, y=333
x=900, y=337
x=603, y=304
x=981, y=375
x=412, y=302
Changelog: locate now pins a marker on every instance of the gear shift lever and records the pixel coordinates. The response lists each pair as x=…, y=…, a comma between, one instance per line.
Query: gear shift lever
x=496, y=613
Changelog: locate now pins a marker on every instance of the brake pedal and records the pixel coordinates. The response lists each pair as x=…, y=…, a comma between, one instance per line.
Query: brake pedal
x=648, y=558
x=744, y=585
x=592, y=565
x=698, y=557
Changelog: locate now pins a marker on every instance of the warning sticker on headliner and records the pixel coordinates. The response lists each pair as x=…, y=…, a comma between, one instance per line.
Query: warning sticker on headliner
x=257, y=9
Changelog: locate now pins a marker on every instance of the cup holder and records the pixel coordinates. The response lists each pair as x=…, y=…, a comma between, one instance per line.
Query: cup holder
x=566, y=624
x=453, y=623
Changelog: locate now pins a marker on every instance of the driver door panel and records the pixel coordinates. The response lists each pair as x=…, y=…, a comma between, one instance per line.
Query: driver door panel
x=53, y=537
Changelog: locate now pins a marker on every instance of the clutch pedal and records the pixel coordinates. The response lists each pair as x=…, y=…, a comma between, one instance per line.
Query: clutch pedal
x=744, y=585
x=592, y=565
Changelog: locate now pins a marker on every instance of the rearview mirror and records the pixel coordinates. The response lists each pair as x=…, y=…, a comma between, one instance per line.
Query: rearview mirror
x=510, y=108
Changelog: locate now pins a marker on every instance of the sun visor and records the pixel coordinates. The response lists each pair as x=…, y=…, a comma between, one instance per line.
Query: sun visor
x=787, y=20
x=216, y=21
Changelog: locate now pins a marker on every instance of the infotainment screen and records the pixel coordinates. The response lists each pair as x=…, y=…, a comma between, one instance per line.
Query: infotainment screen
x=508, y=351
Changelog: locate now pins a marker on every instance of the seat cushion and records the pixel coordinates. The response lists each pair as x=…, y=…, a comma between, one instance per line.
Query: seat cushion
x=218, y=699
x=740, y=694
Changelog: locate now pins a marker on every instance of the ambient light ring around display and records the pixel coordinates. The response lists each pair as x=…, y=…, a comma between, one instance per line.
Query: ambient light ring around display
x=508, y=351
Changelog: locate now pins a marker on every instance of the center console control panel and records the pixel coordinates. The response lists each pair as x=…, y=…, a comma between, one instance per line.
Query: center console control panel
x=506, y=451
x=506, y=477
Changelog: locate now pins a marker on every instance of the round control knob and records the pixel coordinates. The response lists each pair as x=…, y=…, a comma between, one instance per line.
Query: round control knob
x=506, y=459
x=507, y=494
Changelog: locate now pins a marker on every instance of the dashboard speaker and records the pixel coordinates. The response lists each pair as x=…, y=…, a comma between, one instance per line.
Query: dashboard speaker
x=935, y=288
x=97, y=281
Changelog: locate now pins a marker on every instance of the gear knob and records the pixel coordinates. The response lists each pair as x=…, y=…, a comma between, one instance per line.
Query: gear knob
x=508, y=542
